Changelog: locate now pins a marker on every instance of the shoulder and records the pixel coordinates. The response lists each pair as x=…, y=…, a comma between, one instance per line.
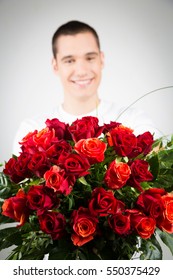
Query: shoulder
x=38, y=121
x=132, y=117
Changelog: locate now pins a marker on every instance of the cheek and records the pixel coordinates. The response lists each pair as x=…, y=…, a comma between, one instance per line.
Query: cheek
x=97, y=69
x=64, y=73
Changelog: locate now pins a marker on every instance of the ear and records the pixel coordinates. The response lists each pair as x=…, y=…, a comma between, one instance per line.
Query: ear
x=54, y=65
x=102, y=57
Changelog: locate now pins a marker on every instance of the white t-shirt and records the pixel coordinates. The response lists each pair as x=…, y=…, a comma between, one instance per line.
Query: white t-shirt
x=105, y=112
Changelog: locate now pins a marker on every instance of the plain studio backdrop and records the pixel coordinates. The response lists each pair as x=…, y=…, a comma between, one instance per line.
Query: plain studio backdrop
x=136, y=37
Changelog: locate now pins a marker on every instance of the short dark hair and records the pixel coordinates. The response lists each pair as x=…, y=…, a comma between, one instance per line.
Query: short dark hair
x=72, y=28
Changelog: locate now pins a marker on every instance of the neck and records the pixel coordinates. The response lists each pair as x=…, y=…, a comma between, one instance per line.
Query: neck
x=80, y=106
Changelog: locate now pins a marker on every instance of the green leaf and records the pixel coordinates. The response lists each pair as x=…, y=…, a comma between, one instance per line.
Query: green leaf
x=71, y=202
x=166, y=157
x=31, y=246
x=166, y=238
x=83, y=181
x=154, y=165
x=7, y=188
x=5, y=232
x=5, y=220
x=81, y=255
x=4, y=186
x=151, y=249
x=62, y=250
x=161, y=166
x=5, y=245
x=7, y=237
x=15, y=238
x=158, y=143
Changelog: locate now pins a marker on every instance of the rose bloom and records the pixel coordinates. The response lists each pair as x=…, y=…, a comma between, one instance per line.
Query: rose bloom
x=168, y=203
x=27, y=143
x=44, y=139
x=57, y=151
x=84, y=226
x=38, y=164
x=139, y=173
x=110, y=126
x=102, y=202
x=92, y=148
x=21, y=166
x=86, y=127
x=60, y=128
x=117, y=175
x=144, y=142
x=57, y=179
x=15, y=208
x=41, y=198
x=11, y=171
x=53, y=223
x=28, y=137
x=166, y=221
x=123, y=140
x=151, y=203
x=120, y=223
x=144, y=225
x=76, y=164
x=17, y=168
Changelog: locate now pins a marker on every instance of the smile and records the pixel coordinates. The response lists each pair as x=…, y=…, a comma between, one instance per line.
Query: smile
x=83, y=82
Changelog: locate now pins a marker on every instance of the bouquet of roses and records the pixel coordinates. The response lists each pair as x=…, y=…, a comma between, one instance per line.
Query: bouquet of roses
x=85, y=191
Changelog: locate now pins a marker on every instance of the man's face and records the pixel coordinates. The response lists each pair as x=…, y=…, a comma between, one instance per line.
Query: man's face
x=79, y=64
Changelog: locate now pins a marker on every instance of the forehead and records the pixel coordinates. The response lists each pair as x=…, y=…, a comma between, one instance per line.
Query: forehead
x=77, y=44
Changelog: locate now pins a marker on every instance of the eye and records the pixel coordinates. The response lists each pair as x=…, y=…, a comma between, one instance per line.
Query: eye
x=90, y=58
x=69, y=61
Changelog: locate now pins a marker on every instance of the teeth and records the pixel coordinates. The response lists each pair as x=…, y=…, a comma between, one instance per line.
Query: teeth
x=82, y=82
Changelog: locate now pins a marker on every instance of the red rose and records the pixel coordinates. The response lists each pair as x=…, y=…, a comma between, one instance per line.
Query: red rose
x=44, y=139
x=168, y=203
x=139, y=173
x=40, y=198
x=117, y=175
x=150, y=202
x=102, y=202
x=15, y=208
x=92, y=148
x=39, y=141
x=84, y=226
x=144, y=142
x=120, y=223
x=76, y=164
x=28, y=144
x=21, y=166
x=11, y=172
x=58, y=150
x=86, y=127
x=57, y=179
x=166, y=221
x=123, y=140
x=53, y=223
x=60, y=128
x=110, y=126
x=144, y=225
x=39, y=164
x=17, y=169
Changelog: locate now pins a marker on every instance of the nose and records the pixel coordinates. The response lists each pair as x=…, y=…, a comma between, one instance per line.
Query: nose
x=81, y=68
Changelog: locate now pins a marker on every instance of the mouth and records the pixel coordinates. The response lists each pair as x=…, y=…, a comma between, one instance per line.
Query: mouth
x=83, y=83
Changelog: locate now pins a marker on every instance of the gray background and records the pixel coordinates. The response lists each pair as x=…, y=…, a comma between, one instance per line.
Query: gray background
x=136, y=36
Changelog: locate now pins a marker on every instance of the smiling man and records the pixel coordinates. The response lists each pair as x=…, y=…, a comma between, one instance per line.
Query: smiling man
x=78, y=62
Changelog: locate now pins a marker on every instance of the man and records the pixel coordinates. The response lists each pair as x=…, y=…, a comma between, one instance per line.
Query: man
x=78, y=62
